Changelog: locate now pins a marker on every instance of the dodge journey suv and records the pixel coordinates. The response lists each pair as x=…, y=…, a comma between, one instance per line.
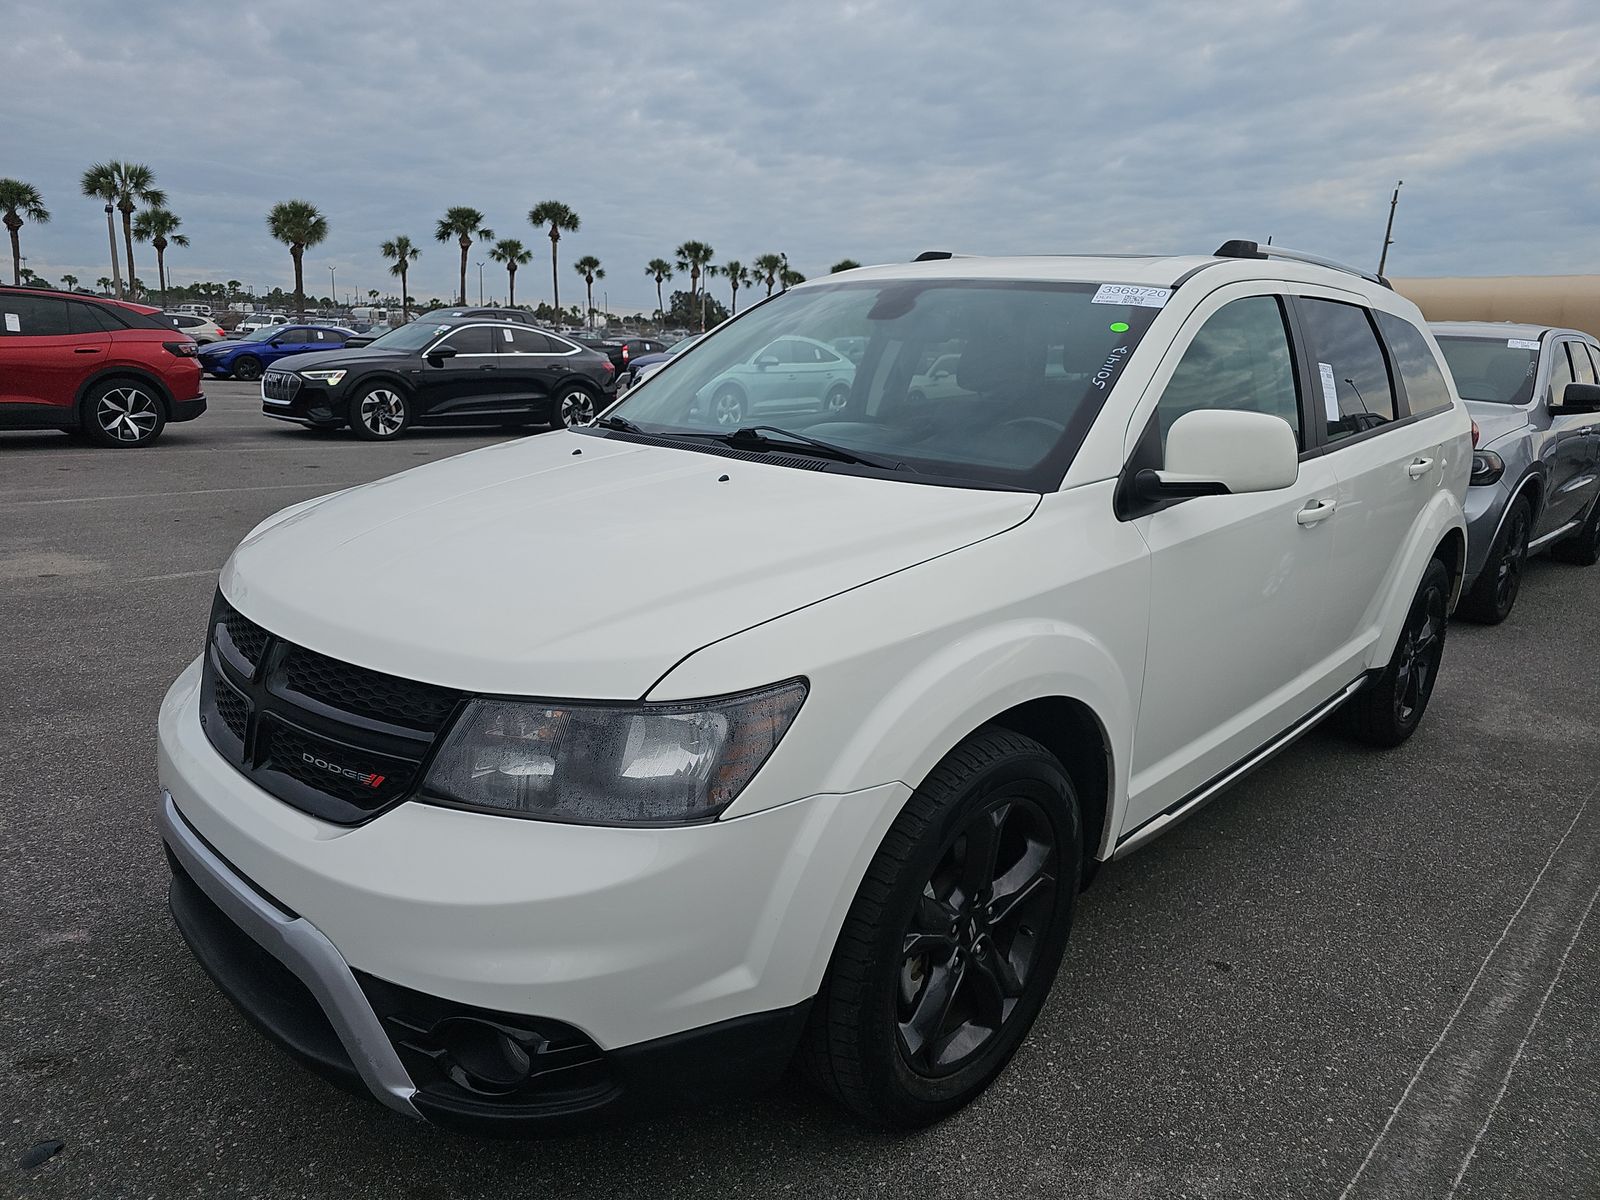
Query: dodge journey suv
x=799, y=746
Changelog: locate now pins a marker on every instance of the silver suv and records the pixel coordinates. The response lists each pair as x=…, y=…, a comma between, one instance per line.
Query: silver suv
x=1534, y=396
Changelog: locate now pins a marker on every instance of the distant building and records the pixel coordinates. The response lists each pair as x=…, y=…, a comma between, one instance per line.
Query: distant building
x=1572, y=301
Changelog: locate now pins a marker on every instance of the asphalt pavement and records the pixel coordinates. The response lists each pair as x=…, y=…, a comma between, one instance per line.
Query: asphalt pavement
x=1356, y=974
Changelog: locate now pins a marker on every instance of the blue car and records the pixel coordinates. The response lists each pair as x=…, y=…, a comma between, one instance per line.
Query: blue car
x=248, y=357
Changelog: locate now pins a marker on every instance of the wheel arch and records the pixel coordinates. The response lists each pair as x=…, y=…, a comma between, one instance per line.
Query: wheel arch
x=1440, y=531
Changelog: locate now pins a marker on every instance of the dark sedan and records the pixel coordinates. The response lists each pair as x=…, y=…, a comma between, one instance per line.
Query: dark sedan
x=449, y=371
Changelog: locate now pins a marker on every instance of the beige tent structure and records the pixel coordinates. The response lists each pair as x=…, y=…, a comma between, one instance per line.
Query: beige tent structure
x=1571, y=301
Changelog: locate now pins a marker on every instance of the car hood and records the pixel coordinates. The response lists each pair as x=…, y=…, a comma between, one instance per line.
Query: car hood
x=1495, y=421
x=569, y=565
x=233, y=344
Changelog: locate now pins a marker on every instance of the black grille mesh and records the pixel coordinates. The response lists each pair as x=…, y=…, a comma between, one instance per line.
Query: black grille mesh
x=231, y=708
x=248, y=638
x=368, y=693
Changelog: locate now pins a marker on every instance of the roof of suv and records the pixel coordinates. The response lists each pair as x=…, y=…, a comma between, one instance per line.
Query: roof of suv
x=1498, y=329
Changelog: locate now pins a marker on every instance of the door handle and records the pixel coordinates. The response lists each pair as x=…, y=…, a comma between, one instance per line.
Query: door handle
x=1419, y=467
x=1317, y=510
x=86, y=350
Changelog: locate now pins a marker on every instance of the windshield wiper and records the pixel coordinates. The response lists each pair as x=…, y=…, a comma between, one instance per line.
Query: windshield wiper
x=753, y=437
x=619, y=423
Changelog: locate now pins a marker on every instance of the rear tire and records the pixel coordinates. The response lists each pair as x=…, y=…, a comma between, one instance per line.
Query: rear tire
x=727, y=407
x=125, y=413
x=574, y=405
x=954, y=937
x=1495, y=591
x=1389, y=708
x=1581, y=549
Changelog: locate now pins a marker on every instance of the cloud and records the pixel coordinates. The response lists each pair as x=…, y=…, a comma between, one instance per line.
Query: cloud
x=824, y=130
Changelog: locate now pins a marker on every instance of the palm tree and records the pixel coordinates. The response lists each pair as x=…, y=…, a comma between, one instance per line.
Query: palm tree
x=232, y=286
x=660, y=270
x=124, y=185
x=464, y=224
x=104, y=283
x=560, y=219
x=738, y=276
x=20, y=201
x=789, y=277
x=589, y=267
x=401, y=254
x=844, y=264
x=297, y=224
x=767, y=268
x=70, y=282
x=514, y=254
x=160, y=228
x=372, y=295
x=695, y=258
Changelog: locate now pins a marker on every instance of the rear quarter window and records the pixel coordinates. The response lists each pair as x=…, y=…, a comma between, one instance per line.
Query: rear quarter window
x=1426, y=390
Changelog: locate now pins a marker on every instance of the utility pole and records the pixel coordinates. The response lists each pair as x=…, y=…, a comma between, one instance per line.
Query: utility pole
x=111, y=233
x=1388, y=232
x=333, y=290
x=480, y=285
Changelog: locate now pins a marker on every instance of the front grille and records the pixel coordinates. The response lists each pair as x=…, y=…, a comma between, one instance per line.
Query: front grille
x=280, y=385
x=339, y=741
x=369, y=693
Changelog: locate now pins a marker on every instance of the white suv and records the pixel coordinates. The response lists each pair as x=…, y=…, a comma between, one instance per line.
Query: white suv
x=626, y=764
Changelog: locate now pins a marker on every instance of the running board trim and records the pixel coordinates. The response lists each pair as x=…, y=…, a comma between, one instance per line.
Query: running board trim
x=1553, y=535
x=1197, y=800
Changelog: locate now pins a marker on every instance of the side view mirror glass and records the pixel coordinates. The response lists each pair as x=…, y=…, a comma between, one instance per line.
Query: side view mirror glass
x=1213, y=451
x=1577, y=398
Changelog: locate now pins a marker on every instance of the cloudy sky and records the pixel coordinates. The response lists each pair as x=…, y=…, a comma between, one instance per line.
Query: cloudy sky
x=824, y=130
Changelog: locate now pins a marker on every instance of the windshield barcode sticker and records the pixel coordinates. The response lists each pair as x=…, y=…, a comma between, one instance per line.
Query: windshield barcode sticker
x=1127, y=293
x=1522, y=344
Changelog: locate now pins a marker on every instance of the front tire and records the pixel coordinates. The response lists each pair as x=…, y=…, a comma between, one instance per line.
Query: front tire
x=246, y=368
x=124, y=413
x=954, y=936
x=380, y=412
x=1495, y=591
x=1388, y=710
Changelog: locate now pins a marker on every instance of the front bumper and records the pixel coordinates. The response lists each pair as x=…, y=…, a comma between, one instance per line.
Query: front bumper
x=308, y=401
x=698, y=947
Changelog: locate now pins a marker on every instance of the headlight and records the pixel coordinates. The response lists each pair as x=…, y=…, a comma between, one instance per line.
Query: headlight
x=1487, y=467
x=599, y=764
x=329, y=377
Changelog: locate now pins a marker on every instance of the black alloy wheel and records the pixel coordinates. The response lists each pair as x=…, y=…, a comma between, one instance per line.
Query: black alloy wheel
x=1389, y=708
x=973, y=941
x=247, y=367
x=954, y=935
x=1495, y=592
x=380, y=412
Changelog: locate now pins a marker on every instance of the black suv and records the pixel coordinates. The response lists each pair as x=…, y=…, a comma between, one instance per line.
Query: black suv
x=456, y=370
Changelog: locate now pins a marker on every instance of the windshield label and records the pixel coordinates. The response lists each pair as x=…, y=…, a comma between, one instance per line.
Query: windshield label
x=1108, y=369
x=1521, y=344
x=1127, y=293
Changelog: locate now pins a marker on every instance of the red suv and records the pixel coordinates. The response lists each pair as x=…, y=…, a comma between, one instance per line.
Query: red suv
x=100, y=368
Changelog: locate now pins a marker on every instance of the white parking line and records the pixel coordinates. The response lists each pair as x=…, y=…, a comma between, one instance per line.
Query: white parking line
x=318, y=485
x=175, y=575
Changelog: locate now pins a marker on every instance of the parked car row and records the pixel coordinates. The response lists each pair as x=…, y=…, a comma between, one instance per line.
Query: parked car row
x=1017, y=563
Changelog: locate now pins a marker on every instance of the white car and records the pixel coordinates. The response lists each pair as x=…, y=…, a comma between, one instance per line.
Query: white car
x=202, y=329
x=199, y=310
x=256, y=322
x=604, y=770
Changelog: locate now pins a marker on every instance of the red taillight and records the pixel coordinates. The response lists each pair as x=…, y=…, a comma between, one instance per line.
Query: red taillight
x=610, y=366
x=1474, y=435
x=181, y=349
x=624, y=354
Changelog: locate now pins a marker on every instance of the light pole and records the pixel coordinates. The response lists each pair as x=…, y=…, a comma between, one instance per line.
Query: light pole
x=111, y=236
x=333, y=292
x=1388, y=231
x=480, y=285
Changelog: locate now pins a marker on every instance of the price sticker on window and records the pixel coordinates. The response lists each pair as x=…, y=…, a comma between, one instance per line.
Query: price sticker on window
x=1127, y=293
x=1330, y=392
x=1522, y=344
x=13, y=325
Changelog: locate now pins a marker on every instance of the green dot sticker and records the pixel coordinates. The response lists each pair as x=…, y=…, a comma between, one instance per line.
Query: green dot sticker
x=1119, y=327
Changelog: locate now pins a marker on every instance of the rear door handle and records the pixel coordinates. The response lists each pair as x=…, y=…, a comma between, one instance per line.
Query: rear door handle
x=86, y=350
x=1317, y=510
x=1419, y=467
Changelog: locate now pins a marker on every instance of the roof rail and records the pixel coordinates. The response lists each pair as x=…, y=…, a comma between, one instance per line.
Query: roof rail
x=1240, y=248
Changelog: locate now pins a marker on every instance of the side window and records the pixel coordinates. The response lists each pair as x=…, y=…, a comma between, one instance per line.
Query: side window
x=1425, y=386
x=1582, y=367
x=1239, y=360
x=1594, y=359
x=1560, y=368
x=33, y=316
x=474, y=339
x=294, y=337
x=1352, y=387
x=91, y=318
x=527, y=341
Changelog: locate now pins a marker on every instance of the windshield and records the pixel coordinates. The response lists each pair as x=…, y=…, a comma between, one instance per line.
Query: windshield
x=1497, y=370
x=409, y=337
x=966, y=381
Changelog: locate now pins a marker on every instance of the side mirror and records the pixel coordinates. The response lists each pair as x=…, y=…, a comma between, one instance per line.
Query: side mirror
x=766, y=360
x=1220, y=452
x=438, y=354
x=1577, y=398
